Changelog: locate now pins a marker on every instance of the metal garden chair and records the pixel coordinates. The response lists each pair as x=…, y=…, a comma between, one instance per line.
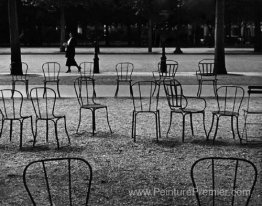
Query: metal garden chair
x=229, y=101
x=253, y=111
x=43, y=100
x=51, y=71
x=179, y=104
x=206, y=73
x=85, y=93
x=171, y=70
x=21, y=78
x=223, y=181
x=145, y=95
x=124, y=72
x=87, y=70
x=11, y=109
x=58, y=181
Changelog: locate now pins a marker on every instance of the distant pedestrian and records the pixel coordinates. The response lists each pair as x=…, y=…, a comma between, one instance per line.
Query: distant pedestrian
x=70, y=53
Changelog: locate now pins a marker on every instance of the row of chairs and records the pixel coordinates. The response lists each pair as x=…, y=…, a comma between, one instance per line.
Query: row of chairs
x=67, y=181
x=145, y=95
x=124, y=71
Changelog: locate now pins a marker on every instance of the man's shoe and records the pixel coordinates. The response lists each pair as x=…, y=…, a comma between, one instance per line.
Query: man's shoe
x=68, y=71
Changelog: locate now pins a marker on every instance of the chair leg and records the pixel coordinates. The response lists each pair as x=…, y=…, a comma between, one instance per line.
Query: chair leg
x=130, y=89
x=107, y=118
x=204, y=124
x=215, y=87
x=117, y=88
x=216, y=130
x=56, y=135
x=32, y=126
x=156, y=120
x=183, y=127
x=93, y=121
x=44, y=89
x=26, y=89
x=135, y=127
x=13, y=88
x=199, y=88
x=94, y=88
x=2, y=126
x=58, y=91
x=191, y=124
x=35, y=133
x=11, y=129
x=79, y=120
x=238, y=133
x=159, y=127
x=133, y=117
x=211, y=127
x=66, y=130
x=232, y=126
x=47, y=130
x=21, y=132
x=170, y=121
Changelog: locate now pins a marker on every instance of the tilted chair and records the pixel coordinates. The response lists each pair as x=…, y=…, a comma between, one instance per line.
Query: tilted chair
x=206, y=73
x=85, y=93
x=124, y=72
x=229, y=101
x=253, y=115
x=21, y=78
x=43, y=100
x=145, y=95
x=180, y=104
x=51, y=71
x=58, y=181
x=223, y=180
x=11, y=109
x=171, y=68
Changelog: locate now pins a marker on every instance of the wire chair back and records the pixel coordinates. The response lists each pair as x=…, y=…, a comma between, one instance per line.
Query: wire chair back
x=253, y=91
x=87, y=69
x=85, y=90
x=22, y=77
x=174, y=94
x=51, y=71
x=171, y=69
x=230, y=98
x=43, y=101
x=58, y=181
x=124, y=71
x=11, y=102
x=223, y=181
x=145, y=95
x=206, y=67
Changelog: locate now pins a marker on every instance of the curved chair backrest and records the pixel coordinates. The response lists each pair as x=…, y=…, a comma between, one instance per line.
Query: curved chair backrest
x=51, y=71
x=174, y=94
x=206, y=67
x=85, y=90
x=230, y=98
x=171, y=68
x=124, y=70
x=43, y=101
x=145, y=95
x=58, y=181
x=87, y=69
x=11, y=102
x=21, y=77
x=223, y=181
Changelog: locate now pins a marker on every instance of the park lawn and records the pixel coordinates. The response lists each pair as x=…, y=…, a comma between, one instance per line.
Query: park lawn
x=120, y=165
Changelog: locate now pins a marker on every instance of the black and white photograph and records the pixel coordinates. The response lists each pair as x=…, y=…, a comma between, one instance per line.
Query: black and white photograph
x=131, y=102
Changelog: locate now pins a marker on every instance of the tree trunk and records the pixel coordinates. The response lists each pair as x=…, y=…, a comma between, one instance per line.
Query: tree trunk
x=219, y=67
x=62, y=27
x=16, y=66
x=150, y=34
x=258, y=34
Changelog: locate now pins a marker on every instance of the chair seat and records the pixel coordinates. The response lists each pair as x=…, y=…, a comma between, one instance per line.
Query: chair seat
x=124, y=80
x=225, y=113
x=50, y=116
x=51, y=80
x=253, y=111
x=16, y=117
x=91, y=106
x=187, y=110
